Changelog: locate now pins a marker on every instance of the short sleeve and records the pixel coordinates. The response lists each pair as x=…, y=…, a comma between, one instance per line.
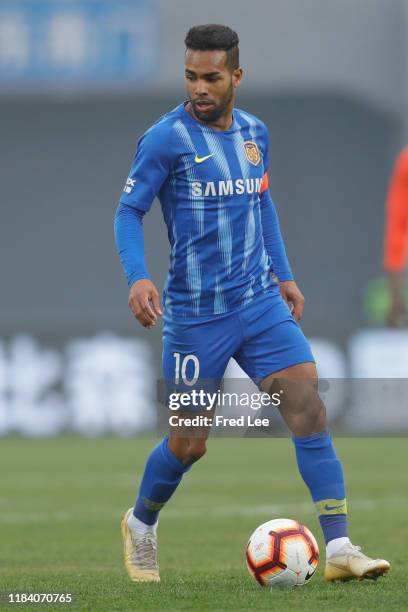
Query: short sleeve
x=150, y=168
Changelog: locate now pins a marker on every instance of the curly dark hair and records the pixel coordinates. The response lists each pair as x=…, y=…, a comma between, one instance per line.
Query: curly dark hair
x=215, y=37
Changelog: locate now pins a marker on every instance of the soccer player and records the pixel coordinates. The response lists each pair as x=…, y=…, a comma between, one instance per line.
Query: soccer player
x=207, y=162
x=396, y=238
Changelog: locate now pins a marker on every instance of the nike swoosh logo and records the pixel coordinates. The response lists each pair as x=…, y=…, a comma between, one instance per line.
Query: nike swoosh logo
x=328, y=508
x=309, y=575
x=200, y=160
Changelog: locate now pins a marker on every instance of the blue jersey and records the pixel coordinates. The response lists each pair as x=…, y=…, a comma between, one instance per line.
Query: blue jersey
x=210, y=184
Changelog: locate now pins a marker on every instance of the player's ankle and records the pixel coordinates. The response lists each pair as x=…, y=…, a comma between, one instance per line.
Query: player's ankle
x=140, y=528
x=334, y=545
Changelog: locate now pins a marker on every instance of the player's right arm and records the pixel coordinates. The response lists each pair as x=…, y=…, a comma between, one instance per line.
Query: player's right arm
x=150, y=168
x=396, y=237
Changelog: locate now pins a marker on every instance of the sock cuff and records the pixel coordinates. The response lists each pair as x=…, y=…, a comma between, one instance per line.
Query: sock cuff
x=171, y=458
x=314, y=440
x=331, y=506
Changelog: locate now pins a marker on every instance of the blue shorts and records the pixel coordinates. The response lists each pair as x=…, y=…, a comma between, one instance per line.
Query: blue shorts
x=263, y=337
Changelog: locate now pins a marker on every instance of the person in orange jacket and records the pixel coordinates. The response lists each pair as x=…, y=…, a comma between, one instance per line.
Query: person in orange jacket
x=396, y=238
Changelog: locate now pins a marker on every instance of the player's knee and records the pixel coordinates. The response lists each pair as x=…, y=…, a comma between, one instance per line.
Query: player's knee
x=296, y=395
x=196, y=449
x=187, y=450
x=310, y=418
x=301, y=405
x=308, y=397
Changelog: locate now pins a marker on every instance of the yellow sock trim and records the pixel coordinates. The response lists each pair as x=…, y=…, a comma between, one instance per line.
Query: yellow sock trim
x=331, y=506
x=152, y=505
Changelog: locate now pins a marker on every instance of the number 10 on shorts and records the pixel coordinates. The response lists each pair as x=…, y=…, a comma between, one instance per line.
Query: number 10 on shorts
x=183, y=362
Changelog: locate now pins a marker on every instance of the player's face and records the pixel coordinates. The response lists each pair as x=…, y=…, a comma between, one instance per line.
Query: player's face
x=210, y=84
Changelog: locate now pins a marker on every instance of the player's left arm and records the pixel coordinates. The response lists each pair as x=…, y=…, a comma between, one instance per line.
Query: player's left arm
x=275, y=247
x=273, y=240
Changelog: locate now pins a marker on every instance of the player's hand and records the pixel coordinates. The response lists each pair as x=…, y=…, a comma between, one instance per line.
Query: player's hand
x=144, y=302
x=293, y=297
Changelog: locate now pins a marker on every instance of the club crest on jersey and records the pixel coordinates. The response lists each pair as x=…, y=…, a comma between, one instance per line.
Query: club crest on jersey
x=252, y=152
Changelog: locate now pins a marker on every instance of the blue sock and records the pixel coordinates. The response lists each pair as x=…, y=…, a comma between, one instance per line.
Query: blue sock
x=323, y=474
x=162, y=475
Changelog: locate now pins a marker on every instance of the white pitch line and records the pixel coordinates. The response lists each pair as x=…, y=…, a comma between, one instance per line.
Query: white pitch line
x=368, y=505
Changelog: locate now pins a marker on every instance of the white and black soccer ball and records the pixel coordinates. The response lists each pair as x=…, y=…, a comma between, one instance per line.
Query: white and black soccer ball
x=282, y=552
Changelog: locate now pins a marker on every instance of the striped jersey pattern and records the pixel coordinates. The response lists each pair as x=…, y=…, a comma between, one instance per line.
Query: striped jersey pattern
x=208, y=183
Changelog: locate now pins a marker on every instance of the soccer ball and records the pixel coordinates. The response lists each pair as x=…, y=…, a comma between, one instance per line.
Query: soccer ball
x=282, y=552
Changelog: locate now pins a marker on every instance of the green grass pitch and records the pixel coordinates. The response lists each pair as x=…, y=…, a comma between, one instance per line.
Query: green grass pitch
x=62, y=499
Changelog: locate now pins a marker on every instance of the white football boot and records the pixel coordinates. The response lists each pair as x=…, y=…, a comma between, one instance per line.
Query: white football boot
x=349, y=563
x=140, y=553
